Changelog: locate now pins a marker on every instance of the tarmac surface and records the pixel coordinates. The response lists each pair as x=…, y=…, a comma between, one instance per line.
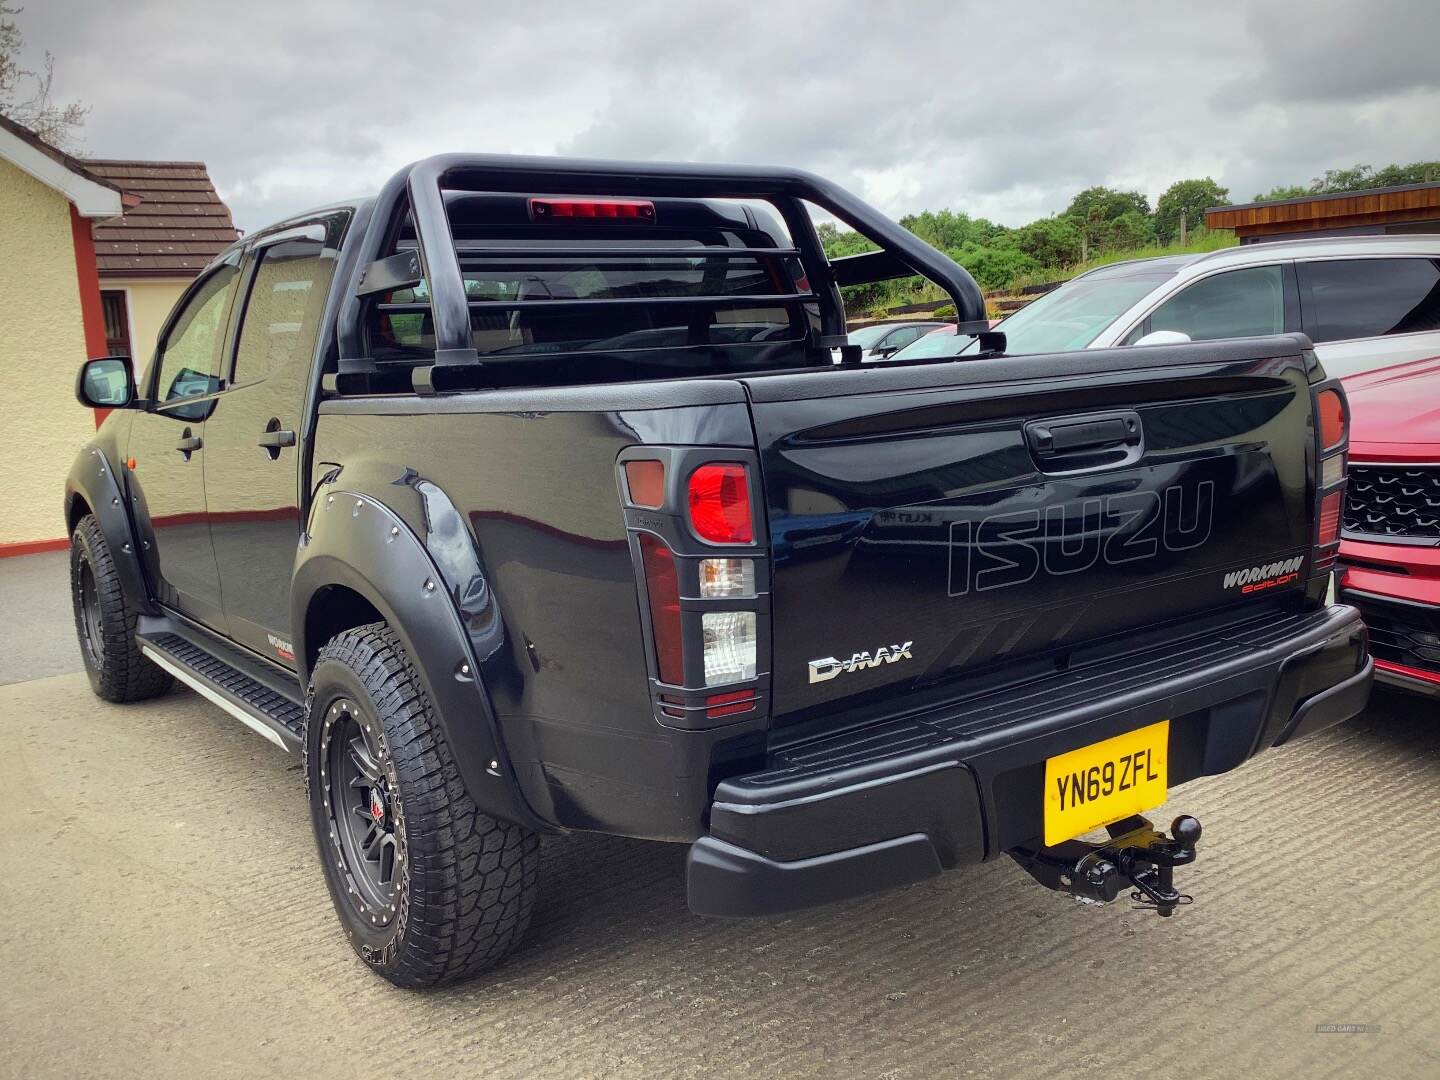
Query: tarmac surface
x=166, y=917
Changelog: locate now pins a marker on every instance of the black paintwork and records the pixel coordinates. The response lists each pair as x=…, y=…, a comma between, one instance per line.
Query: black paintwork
x=932, y=504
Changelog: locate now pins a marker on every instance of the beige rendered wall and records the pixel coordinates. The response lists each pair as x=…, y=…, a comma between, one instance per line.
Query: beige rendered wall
x=149, y=301
x=42, y=344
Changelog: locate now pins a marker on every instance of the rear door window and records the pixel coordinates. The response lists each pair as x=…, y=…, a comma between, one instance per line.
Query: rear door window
x=282, y=312
x=1237, y=303
x=1360, y=298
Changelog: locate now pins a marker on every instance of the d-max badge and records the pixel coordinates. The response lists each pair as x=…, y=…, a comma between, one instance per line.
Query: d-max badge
x=826, y=669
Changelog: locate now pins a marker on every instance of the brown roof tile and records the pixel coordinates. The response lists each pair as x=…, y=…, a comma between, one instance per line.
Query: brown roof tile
x=178, y=227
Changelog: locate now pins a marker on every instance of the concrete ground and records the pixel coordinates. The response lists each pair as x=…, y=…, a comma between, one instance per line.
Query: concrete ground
x=165, y=917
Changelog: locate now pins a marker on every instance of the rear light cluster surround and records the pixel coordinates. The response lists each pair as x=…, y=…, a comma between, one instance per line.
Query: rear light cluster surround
x=696, y=529
x=1332, y=428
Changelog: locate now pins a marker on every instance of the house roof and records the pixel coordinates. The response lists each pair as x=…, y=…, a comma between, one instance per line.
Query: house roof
x=1335, y=210
x=92, y=195
x=179, y=226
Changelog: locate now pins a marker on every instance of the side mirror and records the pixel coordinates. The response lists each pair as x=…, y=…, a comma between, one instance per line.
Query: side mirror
x=106, y=383
x=1164, y=337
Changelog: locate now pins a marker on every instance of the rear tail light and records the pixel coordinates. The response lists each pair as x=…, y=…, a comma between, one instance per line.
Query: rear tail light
x=1331, y=418
x=719, y=496
x=727, y=579
x=662, y=586
x=645, y=480
x=730, y=704
x=729, y=646
x=1329, y=530
x=1331, y=407
x=638, y=210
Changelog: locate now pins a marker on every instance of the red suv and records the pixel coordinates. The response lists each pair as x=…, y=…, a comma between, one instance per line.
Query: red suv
x=1390, y=550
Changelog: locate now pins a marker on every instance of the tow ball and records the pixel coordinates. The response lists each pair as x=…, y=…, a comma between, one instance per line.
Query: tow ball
x=1135, y=854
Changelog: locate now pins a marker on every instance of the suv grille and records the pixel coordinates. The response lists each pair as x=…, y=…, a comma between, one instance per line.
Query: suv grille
x=1402, y=633
x=1393, y=500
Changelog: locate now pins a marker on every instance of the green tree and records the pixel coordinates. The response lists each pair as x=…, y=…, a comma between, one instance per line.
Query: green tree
x=25, y=95
x=1052, y=241
x=1093, y=210
x=1283, y=191
x=994, y=267
x=1190, y=199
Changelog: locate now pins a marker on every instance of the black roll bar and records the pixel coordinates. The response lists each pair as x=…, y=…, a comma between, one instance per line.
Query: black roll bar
x=419, y=189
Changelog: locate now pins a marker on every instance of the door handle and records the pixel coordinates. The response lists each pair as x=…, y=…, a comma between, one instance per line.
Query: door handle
x=188, y=443
x=1083, y=443
x=277, y=439
x=274, y=437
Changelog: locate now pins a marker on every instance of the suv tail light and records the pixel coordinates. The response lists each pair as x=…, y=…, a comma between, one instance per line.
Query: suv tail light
x=720, y=504
x=662, y=585
x=697, y=541
x=1332, y=428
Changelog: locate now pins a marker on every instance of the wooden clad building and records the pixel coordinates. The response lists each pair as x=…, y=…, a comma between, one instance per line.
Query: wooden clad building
x=1412, y=208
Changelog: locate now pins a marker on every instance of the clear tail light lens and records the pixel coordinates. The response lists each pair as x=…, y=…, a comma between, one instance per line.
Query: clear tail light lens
x=720, y=504
x=729, y=646
x=722, y=579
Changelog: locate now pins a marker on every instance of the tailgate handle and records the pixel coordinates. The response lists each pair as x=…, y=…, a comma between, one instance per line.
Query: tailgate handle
x=1086, y=439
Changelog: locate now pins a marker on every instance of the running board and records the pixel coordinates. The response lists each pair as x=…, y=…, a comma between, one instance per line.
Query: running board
x=265, y=709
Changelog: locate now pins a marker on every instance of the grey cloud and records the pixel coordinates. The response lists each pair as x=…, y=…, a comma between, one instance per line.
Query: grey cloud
x=1000, y=111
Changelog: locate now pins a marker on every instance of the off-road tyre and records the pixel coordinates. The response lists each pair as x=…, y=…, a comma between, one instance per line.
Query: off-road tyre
x=461, y=884
x=105, y=622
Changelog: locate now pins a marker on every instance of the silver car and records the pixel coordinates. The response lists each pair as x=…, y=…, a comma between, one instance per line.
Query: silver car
x=1366, y=302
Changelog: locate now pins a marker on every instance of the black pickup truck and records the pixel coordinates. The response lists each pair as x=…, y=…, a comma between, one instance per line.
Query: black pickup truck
x=526, y=497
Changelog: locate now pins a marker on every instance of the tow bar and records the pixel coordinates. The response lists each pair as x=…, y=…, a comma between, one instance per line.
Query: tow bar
x=1135, y=853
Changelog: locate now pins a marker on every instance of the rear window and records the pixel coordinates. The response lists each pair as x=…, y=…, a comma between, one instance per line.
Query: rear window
x=613, y=302
x=1360, y=298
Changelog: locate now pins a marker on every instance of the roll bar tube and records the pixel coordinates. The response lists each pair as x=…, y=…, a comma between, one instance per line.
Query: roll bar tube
x=419, y=188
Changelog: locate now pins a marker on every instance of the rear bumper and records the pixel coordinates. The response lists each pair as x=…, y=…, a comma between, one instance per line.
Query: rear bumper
x=895, y=802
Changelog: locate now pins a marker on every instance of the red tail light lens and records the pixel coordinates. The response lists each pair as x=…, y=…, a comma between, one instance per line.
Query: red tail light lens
x=663, y=589
x=1332, y=418
x=640, y=210
x=646, y=481
x=737, y=701
x=720, y=504
x=1329, y=519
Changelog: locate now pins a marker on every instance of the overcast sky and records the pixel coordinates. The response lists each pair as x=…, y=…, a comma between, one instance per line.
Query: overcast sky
x=1003, y=110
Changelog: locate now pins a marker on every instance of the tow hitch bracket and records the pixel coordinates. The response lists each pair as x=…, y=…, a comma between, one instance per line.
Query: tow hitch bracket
x=1135, y=854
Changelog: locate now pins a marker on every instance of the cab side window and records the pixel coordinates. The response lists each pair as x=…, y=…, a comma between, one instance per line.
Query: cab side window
x=1360, y=298
x=1238, y=303
x=188, y=359
x=282, y=313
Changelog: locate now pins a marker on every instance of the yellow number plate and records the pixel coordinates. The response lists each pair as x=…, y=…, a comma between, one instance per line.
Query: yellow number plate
x=1105, y=782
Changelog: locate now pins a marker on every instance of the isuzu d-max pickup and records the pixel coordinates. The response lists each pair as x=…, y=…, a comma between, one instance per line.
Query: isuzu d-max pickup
x=525, y=497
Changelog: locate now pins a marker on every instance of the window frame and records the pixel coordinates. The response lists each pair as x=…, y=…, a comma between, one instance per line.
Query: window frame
x=315, y=228
x=231, y=260
x=1309, y=309
x=1290, y=290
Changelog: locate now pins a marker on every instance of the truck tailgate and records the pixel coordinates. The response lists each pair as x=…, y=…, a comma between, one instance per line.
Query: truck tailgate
x=994, y=515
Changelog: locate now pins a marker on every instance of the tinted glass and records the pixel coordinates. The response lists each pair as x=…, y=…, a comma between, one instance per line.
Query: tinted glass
x=867, y=336
x=1073, y=315
x=189, y=357
x=1358, y=298
x=1240, y=303
x=901, y=338
x=282, y=313
x=940, y=343
x=558, y=327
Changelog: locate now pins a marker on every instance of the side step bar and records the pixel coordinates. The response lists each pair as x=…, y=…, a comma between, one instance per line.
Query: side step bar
x=265, y=700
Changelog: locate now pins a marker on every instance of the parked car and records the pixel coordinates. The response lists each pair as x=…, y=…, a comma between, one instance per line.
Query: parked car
x=400, y=492
x=882, y=340
x=1365, y=302
x=1390, y=549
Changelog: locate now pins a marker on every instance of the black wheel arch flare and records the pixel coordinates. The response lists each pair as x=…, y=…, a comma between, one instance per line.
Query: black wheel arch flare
x=355, y=541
